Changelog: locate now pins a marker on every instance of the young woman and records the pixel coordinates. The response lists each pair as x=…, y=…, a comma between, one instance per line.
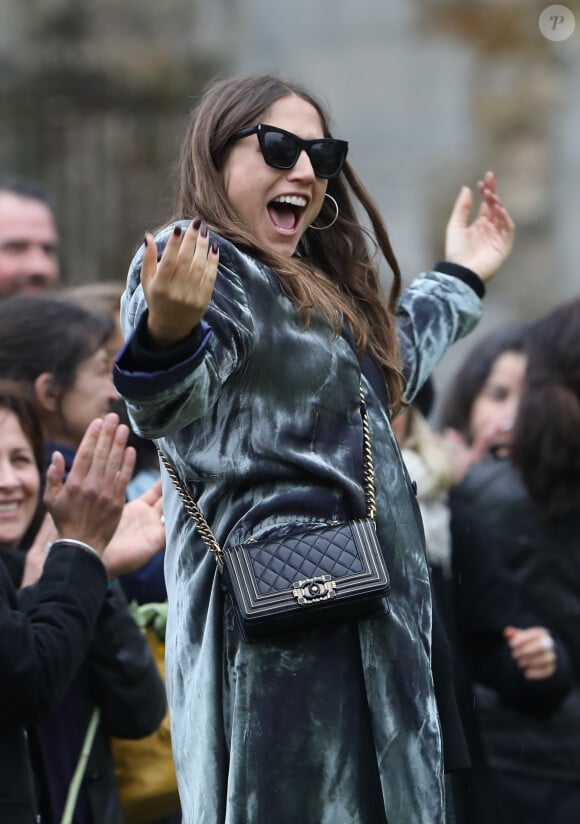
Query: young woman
x=253, y=320
x=47, y=628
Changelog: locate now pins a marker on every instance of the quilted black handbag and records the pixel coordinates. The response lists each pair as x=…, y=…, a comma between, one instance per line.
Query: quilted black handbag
x=302, y=577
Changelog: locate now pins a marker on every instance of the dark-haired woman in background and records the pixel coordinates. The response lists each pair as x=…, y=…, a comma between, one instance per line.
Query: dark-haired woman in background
x=46, y=629
x=493, y=618
x=56, y=351
x=481, y=404
x=524, y=505
x=147, y=584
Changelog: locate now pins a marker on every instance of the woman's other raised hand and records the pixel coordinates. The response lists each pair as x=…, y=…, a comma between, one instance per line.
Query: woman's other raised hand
x=483, y=245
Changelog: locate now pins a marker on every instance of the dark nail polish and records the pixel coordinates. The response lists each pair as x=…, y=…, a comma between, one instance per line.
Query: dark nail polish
x=145, y=241
x=177, y=231
x=197, y=223
x=214, y=248
x=203, y=230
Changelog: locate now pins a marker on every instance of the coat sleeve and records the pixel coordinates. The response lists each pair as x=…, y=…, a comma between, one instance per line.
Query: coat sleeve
x=161, y=402
x=45, y=633
x=127, y=686
x=436, y=310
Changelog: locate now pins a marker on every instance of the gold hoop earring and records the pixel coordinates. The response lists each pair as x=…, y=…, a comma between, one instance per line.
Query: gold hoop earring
x=334, y=219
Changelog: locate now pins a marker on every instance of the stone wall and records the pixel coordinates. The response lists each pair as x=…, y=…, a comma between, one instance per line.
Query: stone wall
x=93, y=99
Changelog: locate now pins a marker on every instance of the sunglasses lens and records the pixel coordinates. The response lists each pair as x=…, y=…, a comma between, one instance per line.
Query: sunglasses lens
x=280, y=150
x=326, y=158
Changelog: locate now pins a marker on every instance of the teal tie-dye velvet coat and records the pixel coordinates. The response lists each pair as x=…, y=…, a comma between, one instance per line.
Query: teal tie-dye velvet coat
x=337, y=726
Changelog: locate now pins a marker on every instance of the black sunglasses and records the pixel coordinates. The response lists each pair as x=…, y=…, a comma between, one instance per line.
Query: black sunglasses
x=281, y=149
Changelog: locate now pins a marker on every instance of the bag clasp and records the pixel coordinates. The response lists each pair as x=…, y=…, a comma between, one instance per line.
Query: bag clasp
x=311, y=590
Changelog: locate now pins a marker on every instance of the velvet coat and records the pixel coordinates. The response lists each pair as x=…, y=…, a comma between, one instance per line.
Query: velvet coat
x=262, y=422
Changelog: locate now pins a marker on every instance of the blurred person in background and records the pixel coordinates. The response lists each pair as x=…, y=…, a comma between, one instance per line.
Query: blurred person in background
x=429, y=462
x=102, y=298
x=481, y=403
x=63, y=627
x=497, y=621
x=527, y=505
x=29, y=241
x=494, y=621
x=147, y=584
x=57, y=351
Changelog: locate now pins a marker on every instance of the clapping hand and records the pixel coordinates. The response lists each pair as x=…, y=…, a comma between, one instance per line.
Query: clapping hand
x=483, y=245
x=88, y=505
x=178, y=289
x=139, y=536
x=36, y=555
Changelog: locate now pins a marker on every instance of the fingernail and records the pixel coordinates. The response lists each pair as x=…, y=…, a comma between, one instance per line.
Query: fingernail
x=145, y=241
x=177, y=231
x=111, y=420
x=214, y=248
x=203, y=230
x=197, y=223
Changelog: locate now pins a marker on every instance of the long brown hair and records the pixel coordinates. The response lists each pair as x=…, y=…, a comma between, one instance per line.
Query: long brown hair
x=546, y=447
x=333, y=273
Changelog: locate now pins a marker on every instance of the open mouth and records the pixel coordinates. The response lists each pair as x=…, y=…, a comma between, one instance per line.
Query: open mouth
x=9, y=506
x=286, y=211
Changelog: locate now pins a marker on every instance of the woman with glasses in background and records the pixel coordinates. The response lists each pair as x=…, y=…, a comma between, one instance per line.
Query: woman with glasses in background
x=252, y=319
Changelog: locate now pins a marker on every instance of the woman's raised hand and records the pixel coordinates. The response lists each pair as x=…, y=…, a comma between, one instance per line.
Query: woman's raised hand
x=483, y=245
x=178, y=289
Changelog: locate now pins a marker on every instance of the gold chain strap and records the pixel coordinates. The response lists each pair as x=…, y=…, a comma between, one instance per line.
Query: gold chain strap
x=369, y=469
x=193, y=509
x=204, y=528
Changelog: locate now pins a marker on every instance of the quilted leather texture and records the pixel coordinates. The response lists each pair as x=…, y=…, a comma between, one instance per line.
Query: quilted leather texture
x=260, y=577
x=332, y=551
